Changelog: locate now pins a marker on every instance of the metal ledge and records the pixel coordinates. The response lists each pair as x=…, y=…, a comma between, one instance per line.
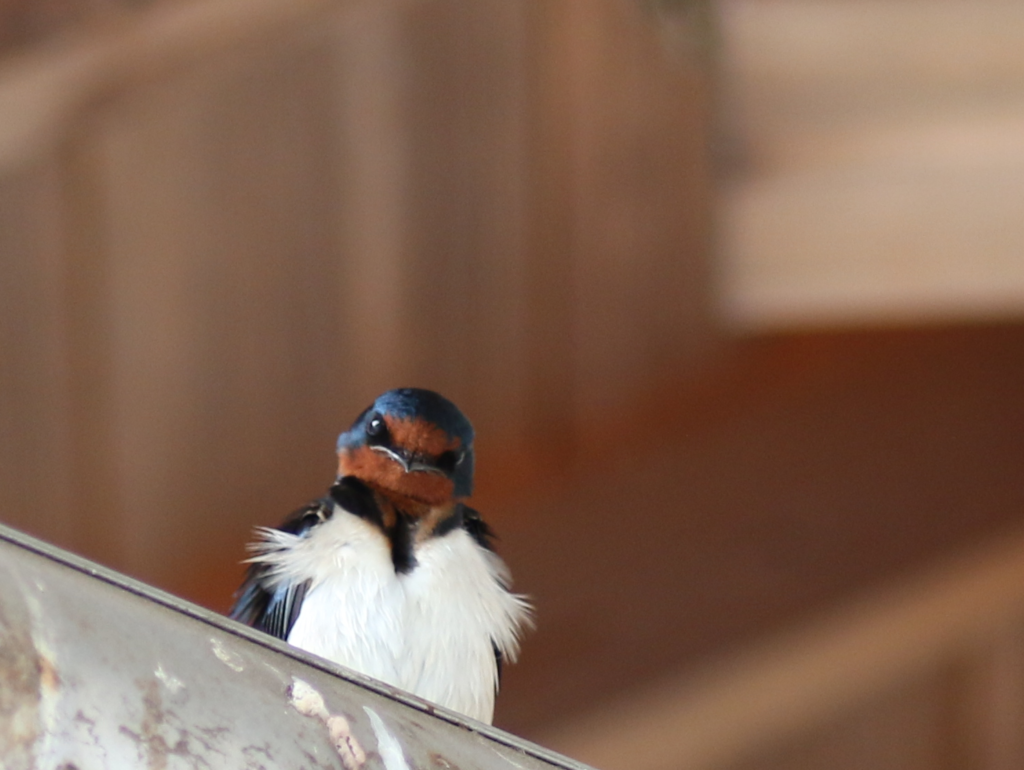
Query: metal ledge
x=98, y=671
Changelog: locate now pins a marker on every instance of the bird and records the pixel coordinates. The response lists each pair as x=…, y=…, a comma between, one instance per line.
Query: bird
x=391, y=573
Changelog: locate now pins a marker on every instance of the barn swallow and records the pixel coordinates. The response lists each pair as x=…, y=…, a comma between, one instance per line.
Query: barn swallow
x=391, y=573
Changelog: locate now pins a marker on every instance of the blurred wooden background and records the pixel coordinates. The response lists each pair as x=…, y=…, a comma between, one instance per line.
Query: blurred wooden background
x=604, y=228
x=227, y=228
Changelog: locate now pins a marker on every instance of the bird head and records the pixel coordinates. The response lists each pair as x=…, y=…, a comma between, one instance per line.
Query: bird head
x=410, y=443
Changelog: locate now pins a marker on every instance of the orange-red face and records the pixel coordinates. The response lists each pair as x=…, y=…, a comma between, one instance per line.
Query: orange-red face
x=412, y=459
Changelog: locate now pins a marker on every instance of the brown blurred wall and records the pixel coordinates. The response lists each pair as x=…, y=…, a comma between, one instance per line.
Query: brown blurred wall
x=227, y=227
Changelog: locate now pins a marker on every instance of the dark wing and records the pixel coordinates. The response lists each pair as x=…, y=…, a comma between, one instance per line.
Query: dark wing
x=500, y=660
x=275, y=608
x=478, y=528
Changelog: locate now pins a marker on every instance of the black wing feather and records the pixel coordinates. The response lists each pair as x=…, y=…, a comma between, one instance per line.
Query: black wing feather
x=283, y=610
x=478, y=528
x=275, y=608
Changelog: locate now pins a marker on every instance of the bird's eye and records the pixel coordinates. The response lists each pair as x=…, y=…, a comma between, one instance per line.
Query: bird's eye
x=449, y=461
x=377, y=429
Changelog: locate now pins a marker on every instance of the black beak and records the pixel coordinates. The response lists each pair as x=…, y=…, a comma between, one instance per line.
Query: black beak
x=412, y=462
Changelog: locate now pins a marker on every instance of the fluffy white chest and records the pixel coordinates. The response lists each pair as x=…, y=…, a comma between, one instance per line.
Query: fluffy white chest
x=431, y=631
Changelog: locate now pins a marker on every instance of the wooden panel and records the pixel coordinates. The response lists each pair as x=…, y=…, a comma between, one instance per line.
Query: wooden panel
x=989, y=705
x=904, y=729
x=276, y=211
x=880, y=159
x=641, y=202
x=924, y=674
x=227, y=358
x=621, y=141
x=36, y=468
x=464, y=109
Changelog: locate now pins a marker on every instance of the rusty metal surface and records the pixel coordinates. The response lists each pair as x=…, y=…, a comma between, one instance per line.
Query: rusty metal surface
x=99, y=671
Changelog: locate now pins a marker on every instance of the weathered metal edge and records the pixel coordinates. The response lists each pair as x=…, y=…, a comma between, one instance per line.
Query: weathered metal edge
x=225, y=624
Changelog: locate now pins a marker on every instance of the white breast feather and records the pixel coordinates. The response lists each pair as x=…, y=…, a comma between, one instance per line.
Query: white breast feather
x=455, y=605
x=428, y=631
